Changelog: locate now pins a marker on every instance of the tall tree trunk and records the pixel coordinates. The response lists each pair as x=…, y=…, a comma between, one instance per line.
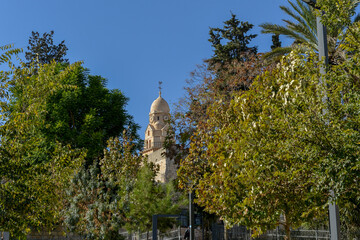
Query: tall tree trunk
x=225, y=231
x=287, y=228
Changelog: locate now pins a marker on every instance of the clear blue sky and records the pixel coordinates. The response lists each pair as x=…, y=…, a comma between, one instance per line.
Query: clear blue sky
x=135, y=43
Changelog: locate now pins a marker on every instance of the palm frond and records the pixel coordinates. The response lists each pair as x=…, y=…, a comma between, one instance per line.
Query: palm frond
x=308, y=16
x=305, y=14
x=285, y=31
x=303, y=31
x=303, y=27
x=305, y=17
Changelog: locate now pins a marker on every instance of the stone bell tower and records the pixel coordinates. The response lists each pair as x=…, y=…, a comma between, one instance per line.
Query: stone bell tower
x=155, y=135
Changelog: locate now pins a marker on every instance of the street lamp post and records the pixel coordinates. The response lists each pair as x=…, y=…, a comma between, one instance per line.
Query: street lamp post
x=191, y=214
x=323, y=56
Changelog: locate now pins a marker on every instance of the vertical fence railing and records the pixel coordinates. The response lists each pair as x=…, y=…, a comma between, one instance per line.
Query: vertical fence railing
x=241, y=233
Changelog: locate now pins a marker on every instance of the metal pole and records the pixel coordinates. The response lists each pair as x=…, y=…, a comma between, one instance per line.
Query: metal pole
x=154, y=228
x=191, y=215
x=323, y=56
x=334, y=219
x=322, y=45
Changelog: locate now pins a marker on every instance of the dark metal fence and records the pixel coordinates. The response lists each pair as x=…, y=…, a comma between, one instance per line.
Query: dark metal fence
x=241, y=233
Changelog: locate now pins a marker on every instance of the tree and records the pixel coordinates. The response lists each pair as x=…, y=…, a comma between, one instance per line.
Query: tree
x=149, y=198
x=275, y=41
x=86, y=114
x=280, y=144
x=232, y=68
x=231, y=42
x=43, y=50
x=47, y=130
x=251, y=161
x=82, y=112
x=33, y=173
x=342, y=163
x=202, y=90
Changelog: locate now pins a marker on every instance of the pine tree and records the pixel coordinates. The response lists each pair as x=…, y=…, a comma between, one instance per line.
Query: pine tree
x=231, y=42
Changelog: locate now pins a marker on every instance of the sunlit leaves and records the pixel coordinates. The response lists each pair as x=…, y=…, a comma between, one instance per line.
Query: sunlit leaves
x=336, y=14
x=256, y=156
x=33, y=172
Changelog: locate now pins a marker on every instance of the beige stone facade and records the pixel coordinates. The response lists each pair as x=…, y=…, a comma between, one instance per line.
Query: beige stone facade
x=155, y=135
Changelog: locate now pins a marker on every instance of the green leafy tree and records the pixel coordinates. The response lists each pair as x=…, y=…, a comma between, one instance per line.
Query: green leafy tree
x=338, y=15
x=33, y=173
x=280, y=145
x=342, y=163
x=43, y=50
x=84, y=113
x=41, y=108
x=232, y=69
x=250, y=159
x=52, y=114
x=149, y=198
x=88, y=114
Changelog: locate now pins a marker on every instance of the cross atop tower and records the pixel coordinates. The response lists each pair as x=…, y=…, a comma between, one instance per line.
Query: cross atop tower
x=160, y=82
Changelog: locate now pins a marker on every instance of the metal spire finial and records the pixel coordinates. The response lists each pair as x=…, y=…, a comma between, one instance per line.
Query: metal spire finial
x=160, y=82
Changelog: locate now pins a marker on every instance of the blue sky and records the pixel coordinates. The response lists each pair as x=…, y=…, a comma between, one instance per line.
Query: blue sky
x=135, y=44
